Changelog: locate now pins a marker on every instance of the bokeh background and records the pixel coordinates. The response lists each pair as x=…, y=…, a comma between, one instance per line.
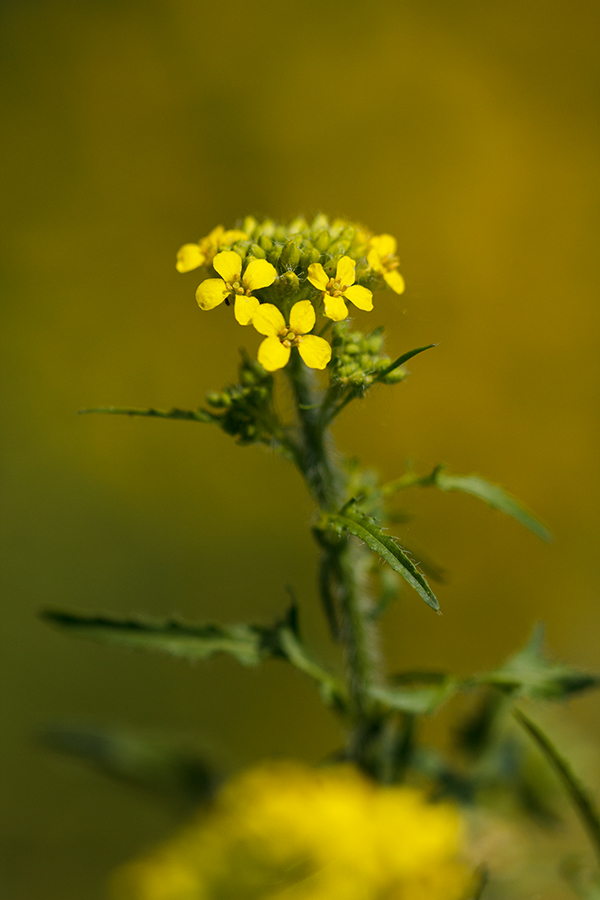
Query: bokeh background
x=468, y=130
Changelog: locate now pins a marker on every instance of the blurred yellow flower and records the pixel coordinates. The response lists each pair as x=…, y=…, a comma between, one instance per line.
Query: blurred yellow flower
x=335, y=289
x=213, y=291
x=382, y=258
x=274, y=352
x=190, y=256
x=287, y=832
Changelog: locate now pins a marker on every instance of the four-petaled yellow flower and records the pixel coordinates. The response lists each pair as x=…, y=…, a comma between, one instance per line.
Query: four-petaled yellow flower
x=382, y=258
x=274, y=352
x=191, y=256
x=259, y=274
x=342, y=286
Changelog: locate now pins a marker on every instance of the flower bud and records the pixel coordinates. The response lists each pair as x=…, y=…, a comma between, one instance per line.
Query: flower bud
x=310, y=256
x=256, y=251
x=321, y=242
x=249, y=224
x=241, y=248
x=290, y=255
x=265, y=242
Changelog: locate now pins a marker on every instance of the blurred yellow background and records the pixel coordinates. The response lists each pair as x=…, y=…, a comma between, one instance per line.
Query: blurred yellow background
x=469, y=131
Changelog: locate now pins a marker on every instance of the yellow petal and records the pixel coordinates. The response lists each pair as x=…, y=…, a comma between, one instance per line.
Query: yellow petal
x=395, y=280
x=259, y=274
x=189, y=257
x=345, y=271
x=245, y=308
x=228, y=264
x=230, y=237
x=317, y=276
x=315, y=351
x=268, y=320
x=302, y=317
x=360, y=296
x=211, y=292
x=384, y=244
x=374, y=260
x=272, y=355
x=335, y=308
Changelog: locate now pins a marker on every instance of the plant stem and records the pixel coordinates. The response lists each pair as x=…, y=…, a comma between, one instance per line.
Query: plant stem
x=344, y=563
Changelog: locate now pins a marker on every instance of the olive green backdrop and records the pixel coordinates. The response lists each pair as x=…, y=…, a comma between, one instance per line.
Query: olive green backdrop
x=468, y=130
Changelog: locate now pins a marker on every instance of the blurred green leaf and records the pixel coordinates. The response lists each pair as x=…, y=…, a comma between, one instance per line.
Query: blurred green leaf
x=580, y=797
x=197, y=415
x=529, y=673
x=372, y=534
x=494, y=496
x=248, y=644
x=419, y=699
x=160, y=767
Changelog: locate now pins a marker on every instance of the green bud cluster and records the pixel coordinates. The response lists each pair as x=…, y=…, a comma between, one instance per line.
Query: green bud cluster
x=246, y=408
x=357, y=359
x=294, y=246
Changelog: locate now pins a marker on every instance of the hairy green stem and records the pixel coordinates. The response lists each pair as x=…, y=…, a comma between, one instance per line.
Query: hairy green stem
x=344, y=563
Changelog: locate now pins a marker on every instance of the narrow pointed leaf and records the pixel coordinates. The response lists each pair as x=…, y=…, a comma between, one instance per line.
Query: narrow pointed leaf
x=248, y=644
x=494, y=496
x=197, y=415
x=403, y=359
x=367, y=530
x=580, y=797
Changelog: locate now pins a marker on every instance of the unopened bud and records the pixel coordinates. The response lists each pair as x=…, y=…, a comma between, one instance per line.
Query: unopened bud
x=256, y=251
x=321, y=242
x=290, y=255
x=265, y=242
x=249, y=224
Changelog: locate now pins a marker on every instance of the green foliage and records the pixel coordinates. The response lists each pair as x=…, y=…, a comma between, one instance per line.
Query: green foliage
x=247, y=644
x=529, y=673
x=580, y=797
x=365, y=528
x=494, y=496
x=164, y=769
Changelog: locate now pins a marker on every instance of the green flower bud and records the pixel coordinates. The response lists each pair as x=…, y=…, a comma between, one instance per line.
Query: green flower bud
x=321, y=242
x=287, y=284
x=256, y=251
x=241, y=247
x=319, y=223
x=290, y=255
x=265, y=242
x=249, y=224
x=279, y=233
x=310, y=256
x=218, y=399
x=265, y=229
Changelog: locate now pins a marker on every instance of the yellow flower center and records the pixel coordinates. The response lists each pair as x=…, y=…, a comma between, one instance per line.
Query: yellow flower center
x=288, y=337
x=389, y=262
x=236, y=288
x=335, y=288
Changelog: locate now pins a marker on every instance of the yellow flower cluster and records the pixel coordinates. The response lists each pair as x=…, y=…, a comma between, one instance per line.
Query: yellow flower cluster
x=270, y=272
x=287, y=832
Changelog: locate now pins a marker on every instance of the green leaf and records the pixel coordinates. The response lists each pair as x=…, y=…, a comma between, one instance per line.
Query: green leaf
x=198, y=415
x=494, y=496
x=403, y=359
x=248, y=644
x=530, y=673
x=580, y=797
x=367, y=530
x=157, y=766
x=425, y=699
